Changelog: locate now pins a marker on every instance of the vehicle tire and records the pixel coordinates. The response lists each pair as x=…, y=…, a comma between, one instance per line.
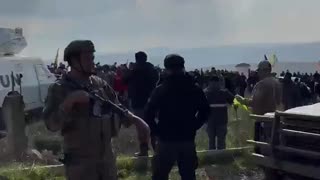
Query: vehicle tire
x=271, y=174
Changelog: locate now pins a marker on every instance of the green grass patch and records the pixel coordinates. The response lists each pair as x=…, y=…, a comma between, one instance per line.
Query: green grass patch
x=240, y=129
x=33, y=174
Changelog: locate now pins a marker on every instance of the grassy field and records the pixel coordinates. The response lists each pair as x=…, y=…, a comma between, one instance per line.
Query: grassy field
x=240, y=129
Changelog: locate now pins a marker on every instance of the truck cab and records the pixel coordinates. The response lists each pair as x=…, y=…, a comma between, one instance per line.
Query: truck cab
x=28, y=76
x=31, y=78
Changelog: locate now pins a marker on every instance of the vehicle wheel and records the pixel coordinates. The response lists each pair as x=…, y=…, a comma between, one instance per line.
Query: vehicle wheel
x=271, y=174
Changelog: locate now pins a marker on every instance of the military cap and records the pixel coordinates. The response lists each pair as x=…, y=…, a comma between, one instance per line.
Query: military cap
x=264, y=65
x=78, y=46
x=174, y=61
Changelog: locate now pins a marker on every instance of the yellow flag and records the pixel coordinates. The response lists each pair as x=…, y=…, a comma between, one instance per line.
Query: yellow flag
x=273, y=60
x=56, y=59
x=236, y=103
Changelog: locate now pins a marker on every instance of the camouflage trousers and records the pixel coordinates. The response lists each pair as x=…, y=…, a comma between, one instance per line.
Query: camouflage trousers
x=89, y=170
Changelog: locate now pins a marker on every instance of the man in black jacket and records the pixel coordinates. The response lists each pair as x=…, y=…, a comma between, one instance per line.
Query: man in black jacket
x=182, y=109
x=141, y=80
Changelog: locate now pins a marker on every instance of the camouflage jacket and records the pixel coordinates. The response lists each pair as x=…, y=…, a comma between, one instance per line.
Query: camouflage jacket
x=84, y=135
x=266, y=96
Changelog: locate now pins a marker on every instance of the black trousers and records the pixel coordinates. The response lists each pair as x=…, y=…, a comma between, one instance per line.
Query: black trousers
x=217, y=136
x=169, y=153
x=217, y=128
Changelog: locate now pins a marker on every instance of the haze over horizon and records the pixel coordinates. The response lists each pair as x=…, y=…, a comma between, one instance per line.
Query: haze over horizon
x=131, y=25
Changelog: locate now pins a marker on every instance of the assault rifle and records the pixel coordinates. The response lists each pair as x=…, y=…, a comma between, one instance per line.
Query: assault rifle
x=106, y=103
x=118, y=109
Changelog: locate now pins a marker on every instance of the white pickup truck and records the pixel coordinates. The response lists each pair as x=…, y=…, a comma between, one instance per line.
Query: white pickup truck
x=26, y=75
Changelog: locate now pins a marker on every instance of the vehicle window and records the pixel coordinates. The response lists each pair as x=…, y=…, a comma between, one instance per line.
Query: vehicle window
x=41, y=72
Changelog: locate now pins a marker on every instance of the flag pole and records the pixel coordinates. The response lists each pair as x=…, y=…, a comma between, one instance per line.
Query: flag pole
x=56, y=59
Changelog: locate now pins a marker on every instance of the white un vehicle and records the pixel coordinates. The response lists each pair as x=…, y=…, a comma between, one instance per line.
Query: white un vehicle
x=26, y=75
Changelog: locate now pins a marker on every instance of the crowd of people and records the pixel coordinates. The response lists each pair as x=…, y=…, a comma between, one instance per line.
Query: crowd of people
x=58, y=70
x=168, y=105
x=298, y=88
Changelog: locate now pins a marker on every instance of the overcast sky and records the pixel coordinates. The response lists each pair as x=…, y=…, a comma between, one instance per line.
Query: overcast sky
x=127, y=25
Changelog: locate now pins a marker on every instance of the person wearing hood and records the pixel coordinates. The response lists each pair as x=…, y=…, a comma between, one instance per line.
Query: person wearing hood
x=181, y=108
x=219, y=99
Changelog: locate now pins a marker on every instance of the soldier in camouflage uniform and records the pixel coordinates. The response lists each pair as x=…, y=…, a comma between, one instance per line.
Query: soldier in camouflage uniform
x=266, y=97
x=86, y=125
x=267, y=93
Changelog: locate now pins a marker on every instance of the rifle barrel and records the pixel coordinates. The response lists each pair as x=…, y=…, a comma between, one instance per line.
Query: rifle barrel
x=119, y=110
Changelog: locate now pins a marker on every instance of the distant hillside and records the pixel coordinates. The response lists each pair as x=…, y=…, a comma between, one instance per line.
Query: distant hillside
x=302, y=67
x=304, y=53
x=308, y=52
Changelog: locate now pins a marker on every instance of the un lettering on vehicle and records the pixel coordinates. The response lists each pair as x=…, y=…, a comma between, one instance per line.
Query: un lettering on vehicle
x=6, y=81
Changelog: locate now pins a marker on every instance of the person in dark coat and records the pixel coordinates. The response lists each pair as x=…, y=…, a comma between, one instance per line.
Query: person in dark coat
x=243, y=84
x=181, y=108
x=252, y=81
x=291, y=93
x=219, y=99
x=141, y=80
x=305, y=92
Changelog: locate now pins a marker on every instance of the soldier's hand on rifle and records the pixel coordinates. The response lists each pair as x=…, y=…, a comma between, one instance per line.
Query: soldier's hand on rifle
x=77, y=97
x=142, y=127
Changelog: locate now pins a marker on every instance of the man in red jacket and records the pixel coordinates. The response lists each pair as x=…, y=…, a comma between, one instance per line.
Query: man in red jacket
x=120, y=87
